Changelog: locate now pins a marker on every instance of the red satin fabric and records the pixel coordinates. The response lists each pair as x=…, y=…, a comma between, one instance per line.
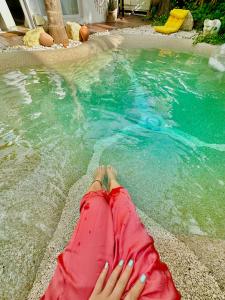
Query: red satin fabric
x=109, y=229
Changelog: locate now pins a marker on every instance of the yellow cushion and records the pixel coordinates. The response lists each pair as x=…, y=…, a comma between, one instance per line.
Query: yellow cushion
x=174, y=22
x=165, y=29
x=179, y=13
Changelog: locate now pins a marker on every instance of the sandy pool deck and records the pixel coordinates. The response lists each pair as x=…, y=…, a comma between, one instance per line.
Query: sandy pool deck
x=194, y=280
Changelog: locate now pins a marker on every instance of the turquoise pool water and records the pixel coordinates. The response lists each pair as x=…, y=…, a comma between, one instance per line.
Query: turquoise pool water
x=158, y=117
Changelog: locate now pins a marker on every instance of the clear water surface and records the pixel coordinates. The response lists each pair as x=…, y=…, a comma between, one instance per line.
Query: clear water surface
x=160, y=117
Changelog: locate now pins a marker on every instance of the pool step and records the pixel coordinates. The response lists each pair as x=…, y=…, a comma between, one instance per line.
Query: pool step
x=193, y=279
x=191, y=276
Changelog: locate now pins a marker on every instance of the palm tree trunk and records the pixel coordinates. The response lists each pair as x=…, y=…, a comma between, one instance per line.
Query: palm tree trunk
x=55, y=22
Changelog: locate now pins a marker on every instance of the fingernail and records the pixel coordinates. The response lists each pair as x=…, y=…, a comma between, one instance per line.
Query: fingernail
x=131, y=262
x=143, y=278
x=121, y=262
x=106, y=265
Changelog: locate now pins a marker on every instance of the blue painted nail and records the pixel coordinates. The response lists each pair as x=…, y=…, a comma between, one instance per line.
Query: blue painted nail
x=143, y=278
x=131, y=262
x=121, y=262
x=106, y=265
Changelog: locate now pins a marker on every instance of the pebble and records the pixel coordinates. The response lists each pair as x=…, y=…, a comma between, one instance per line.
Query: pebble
x=72, y=44
x=146, y=30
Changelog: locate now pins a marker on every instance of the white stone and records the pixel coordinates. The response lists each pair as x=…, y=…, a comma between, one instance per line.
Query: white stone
x=73, y=30
x=31, y=37
x=211, y=26
x=217, y=61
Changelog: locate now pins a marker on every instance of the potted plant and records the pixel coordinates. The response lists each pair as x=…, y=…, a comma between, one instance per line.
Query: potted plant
x=112, y=10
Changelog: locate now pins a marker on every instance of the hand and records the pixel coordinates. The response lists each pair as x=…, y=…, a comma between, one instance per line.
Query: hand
x=115, y=286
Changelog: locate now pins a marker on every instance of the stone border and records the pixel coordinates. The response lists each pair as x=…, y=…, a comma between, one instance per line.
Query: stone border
x=12, y=60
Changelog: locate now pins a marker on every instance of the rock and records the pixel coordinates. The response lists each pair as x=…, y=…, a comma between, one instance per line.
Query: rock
x=211, y=26
x=72, y=30
x=31, y=37
x=84, y=33
x=217, y=60
x=46, y=39
x=188, y=23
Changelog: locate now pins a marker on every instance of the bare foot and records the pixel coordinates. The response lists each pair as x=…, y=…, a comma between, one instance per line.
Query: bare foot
x=98, y=178
x=111, y=173
x=112, y=178
x=99, y=173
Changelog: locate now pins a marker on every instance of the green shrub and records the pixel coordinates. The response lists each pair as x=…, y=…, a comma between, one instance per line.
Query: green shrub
x=207, y=11
x=159, y=20
x=213, y=39
x=200, y=12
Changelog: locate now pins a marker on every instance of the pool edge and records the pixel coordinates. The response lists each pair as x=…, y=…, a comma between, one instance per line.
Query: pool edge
x=97, y=45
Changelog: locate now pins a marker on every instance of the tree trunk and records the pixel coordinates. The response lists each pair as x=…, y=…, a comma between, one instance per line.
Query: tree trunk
x=55, y=22
x=164, y=7
x=154, y=4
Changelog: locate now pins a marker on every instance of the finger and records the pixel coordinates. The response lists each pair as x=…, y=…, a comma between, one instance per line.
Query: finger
x=101, y=279
x=136, y=290
x=122, y=282
x=113, y=278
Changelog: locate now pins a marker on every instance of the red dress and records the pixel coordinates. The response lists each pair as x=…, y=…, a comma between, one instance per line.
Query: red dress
x=109, y=229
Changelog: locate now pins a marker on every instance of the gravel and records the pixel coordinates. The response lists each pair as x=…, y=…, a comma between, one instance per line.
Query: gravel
x=146, y=30
x=72, y=44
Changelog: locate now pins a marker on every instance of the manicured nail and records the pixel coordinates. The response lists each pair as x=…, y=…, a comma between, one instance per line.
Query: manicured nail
x=106, y=265
x=131, y=262
x=121, y=262
x=143, y=278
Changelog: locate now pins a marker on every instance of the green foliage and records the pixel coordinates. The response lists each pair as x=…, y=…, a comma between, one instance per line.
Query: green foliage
x=200, y=10
x=113, y=4
x=159, y=20
x=213, y=39
x=208, y=11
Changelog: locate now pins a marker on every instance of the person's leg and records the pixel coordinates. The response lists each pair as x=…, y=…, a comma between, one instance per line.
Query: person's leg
x=97, y=183
x=112, y=178
x=133, y=242
x=91, y=245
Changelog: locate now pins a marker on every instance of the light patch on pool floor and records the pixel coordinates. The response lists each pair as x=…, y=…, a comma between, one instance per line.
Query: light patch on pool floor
x=17, y=80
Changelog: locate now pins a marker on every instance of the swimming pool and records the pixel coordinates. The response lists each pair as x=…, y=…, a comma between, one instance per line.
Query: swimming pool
x=156, y=115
